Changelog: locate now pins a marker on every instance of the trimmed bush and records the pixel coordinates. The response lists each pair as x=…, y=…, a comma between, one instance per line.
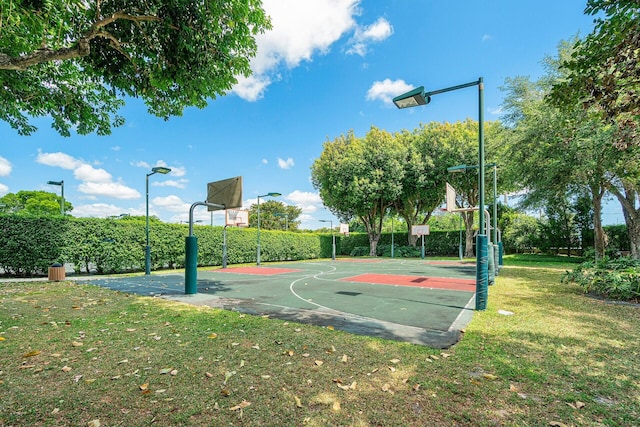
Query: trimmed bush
x=617, y=279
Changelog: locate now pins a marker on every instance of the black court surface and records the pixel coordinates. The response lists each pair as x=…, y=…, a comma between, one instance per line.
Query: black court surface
x=419, y=301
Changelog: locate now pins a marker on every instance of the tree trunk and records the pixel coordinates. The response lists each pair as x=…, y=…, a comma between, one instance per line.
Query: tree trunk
x=468, y=241
x=631, y=215
x=598, y=231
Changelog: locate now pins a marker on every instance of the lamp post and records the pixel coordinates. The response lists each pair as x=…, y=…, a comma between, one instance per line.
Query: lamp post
x=61, y=184
x=418, y=97
x=147, y=249
x=333, y=238
x=264, y=195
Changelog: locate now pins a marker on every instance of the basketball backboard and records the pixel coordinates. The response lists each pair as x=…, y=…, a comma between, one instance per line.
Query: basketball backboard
x=451, y=198
x=227, y=192
x=420, y=230
x=236, y=217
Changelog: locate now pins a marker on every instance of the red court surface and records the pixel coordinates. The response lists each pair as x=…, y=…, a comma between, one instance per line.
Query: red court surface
x=468, y=285
x=262, y=271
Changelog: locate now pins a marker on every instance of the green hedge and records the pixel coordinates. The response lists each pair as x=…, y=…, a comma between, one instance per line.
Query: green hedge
x=30, y=245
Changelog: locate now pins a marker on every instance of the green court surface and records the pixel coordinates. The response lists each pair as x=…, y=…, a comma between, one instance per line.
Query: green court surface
x=419, y=301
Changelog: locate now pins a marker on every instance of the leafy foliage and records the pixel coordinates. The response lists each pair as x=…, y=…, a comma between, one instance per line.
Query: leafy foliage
x=275, y=215
x=604, y=70
x=33, y=203
x=77, y=61
x=29, y=245
x=617, y=279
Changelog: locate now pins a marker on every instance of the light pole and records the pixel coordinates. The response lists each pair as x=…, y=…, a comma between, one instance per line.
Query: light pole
x=147, y=249
x=418, y=97
x=333, y=238
x=61, y=184
x=264, y=195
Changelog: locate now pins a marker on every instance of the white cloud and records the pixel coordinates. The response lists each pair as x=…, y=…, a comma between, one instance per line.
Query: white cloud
x=103, y=210
x=5, y=167
x=285, y=164
x=60, y=160
x=486, y=37
x=265, y=161
x=3, y=189
x=88, y=173
x=177, y=183
x=178, y=171
x=307, y=201
x=386, y=90
x=376, y=32
x=300, y=29
x=141, y=164
x=172, y=203
x=108, y=189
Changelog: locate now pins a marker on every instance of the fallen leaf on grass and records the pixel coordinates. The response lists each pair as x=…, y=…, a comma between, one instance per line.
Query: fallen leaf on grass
x=336, y=406
x=298, y=401
x=55, y=411
x=319, y=362
x=93, y=423
x=345, y=358
x=241, y=405
x=130, y=329
x=77, y=344
x=351, y=386
x=213, y=335
x=577, y=405
x=489, y=377
x=395, y=361
x=228, y=375
x=208, y=374
x=557, y=424
x=27, y=366
x=66, y=368
x=331, y=328
x=144, y=386
x=32, y=353
x=2, y=338
x=165, y=371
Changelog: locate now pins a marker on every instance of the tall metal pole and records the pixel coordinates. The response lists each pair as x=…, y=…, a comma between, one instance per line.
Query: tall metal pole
x=147, y=249
x=258, y=254
x=482, y=249
x=62, y=191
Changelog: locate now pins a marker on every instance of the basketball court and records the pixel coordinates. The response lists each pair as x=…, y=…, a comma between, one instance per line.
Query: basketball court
x=418, y=301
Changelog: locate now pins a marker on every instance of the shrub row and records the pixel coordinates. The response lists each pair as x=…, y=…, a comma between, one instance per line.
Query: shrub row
x=30, y=245
x=617, y=279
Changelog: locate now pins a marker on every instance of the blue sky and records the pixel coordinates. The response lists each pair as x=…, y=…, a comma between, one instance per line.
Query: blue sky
x=327, y=67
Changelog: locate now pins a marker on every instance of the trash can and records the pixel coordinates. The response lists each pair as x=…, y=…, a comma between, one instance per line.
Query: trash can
x=56, y=272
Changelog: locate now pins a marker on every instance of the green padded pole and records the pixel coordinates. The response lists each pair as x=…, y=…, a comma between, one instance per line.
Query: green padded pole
x=191, y=265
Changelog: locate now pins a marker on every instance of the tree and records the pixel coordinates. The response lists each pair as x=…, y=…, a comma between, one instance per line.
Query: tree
x=361, y=177
x=604, y=69
x=275, y=215
x=557, y=152
x=33, y=203
x=76, y=61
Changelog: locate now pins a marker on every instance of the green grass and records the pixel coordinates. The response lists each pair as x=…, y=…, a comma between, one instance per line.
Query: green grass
x=71, y=353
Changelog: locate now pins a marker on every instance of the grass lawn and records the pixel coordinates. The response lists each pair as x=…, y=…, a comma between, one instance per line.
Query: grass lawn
x=79, y=355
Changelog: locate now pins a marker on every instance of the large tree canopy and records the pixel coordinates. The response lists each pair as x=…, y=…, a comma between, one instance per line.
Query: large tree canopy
x=36, y=203
x=76, y=60
x=604, y=69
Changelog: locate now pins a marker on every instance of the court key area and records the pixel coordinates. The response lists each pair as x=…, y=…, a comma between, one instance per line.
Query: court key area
x=418, y=301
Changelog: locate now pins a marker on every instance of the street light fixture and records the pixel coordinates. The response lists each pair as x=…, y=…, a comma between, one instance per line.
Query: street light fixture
x=333, y=238
x=61, y=184
x=418, y=97
x=264, y=195
x=147, y=249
